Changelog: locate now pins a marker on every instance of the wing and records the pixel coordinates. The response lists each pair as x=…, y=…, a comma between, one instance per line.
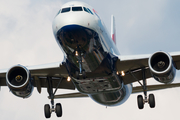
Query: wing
x=135, y=90
x=57, y=71
x=132, y=66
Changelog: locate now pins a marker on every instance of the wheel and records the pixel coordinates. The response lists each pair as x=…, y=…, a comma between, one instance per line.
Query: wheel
x=58, y=110
x=83, y=74
x=77, y=74
x=151, y=100
x=140, y=102
x=47, y=111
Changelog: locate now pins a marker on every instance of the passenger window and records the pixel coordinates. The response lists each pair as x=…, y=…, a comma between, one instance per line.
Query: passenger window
x=65, y=10
x=77, y=9
x=90, y=11
x=85, y=9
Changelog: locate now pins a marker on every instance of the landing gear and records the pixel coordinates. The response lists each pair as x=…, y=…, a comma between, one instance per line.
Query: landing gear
x=47, y=111
x=83, y=74
x=77, y=74
x=58, y=108
x=140, y=100
x=81, y=70
x=151, y=101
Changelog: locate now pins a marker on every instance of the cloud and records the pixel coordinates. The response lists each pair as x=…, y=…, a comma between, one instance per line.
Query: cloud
x=142, y=27
x=25, y=26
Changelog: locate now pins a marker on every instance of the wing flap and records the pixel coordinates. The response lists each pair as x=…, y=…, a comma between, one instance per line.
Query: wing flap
x=176, y=59
x=3, y=81
x=155, y=87
x=71, y=95
x=135, y=90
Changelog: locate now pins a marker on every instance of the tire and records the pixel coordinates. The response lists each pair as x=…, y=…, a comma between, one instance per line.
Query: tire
x=84, y=74
x=47, y=111
x=77, y=74
x=151, y=100
x=58, y=110
x=140, y=102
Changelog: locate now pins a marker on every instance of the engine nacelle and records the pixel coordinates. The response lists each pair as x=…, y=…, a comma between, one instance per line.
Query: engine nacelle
x=162, y=67
x=18, y=79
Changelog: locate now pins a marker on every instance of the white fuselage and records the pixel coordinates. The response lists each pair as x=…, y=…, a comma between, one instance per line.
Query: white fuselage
x=87, y=46
x=84, y=19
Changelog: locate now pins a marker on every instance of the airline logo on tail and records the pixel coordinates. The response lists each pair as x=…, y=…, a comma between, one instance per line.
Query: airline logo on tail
x=113, y=29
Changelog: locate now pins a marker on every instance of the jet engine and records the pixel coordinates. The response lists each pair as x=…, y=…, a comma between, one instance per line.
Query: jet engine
x=162, y=67
x=18, y=79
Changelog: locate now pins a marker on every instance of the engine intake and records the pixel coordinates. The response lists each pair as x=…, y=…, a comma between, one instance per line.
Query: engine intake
x=162, y=67
x=18, y=79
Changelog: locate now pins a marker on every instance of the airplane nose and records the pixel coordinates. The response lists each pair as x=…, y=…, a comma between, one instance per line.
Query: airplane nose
x=73, y=18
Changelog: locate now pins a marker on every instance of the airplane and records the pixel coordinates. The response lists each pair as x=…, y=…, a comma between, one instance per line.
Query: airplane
x=92, y=64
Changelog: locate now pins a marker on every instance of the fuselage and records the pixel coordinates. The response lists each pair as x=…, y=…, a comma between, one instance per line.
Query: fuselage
x=88, y=47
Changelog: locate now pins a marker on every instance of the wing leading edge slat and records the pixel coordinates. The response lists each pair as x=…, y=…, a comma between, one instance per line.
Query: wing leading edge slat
x=40, y=73
x=132, y=63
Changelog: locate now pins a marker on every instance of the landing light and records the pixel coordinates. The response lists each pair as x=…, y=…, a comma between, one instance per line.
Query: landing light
x=68, y=78
x=76, y=53
x=117, y=73
x=122, y=73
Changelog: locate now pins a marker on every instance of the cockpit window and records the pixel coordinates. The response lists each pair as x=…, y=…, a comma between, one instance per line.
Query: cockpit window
x=58, y=12
x=90, y=11
x=85, y=9
x=65, y=10
x=77, y=9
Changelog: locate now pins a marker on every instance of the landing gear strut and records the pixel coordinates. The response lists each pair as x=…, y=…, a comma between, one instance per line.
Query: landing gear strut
x=58, y=108
x=140, y=100
x=81, y=71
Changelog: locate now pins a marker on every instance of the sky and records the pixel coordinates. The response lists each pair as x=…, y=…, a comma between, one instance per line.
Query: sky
x=142, y=27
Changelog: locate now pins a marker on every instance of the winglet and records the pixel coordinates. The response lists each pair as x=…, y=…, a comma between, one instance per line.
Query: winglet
x=113, y=29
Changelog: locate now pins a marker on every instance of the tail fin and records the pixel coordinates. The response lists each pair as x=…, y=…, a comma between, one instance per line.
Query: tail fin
x=113, y=29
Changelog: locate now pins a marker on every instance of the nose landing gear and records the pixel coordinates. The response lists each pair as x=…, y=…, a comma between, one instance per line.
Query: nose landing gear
x=81, y=70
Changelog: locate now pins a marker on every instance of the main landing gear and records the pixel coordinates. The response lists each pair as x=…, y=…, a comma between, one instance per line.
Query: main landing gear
x=58, y=108
x=142, y=101
x=150, y=100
